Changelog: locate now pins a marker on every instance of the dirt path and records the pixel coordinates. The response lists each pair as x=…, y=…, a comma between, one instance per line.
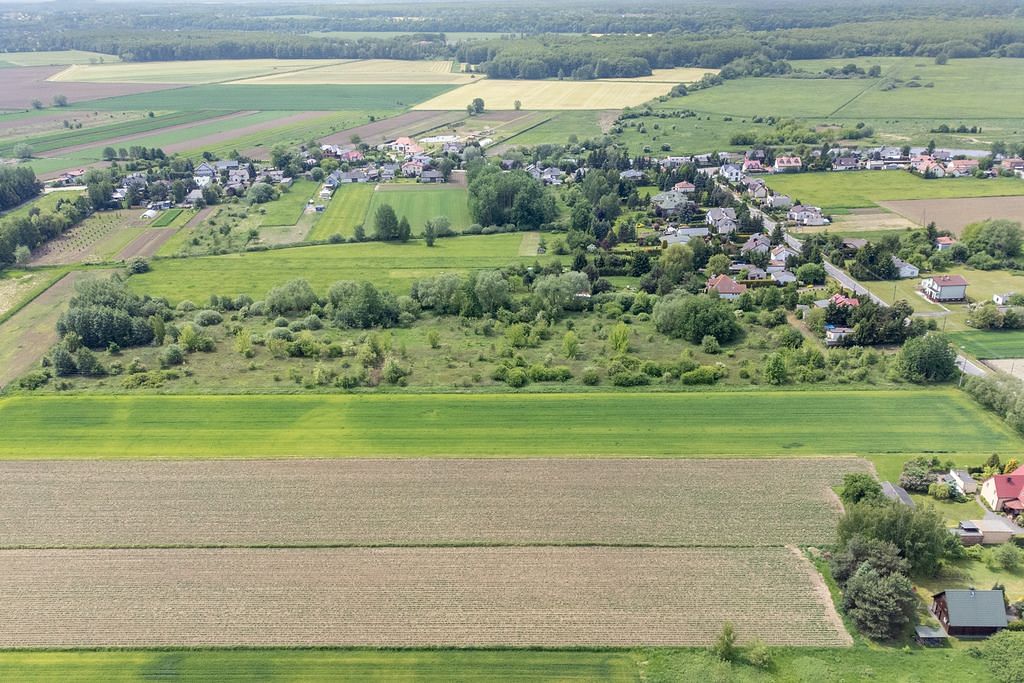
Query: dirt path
x=120, y=141
x=410, y=123
x=147, y=244
x=29, y=333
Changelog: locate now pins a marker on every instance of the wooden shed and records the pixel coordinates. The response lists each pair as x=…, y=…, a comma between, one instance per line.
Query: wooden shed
x=970, y=612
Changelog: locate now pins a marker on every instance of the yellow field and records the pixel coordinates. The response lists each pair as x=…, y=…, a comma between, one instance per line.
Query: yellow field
x=186, y=72
x=682, y=74
x=369, y=72
x=561, y=95
x=55, y=57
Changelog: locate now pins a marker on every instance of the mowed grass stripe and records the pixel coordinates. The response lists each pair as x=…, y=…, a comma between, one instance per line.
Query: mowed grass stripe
x=526, y=425
x=288, y=209
x=420, y=203
x=346, y=209
x=991, y=344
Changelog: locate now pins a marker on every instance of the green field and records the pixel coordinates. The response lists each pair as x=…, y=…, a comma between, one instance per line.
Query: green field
x=166, y=218
x=860, y=189
x=557, y=129
x=287, y=210
x=795, y=665
x=346, y=209
x=991, y=344
x=741, y=423
x=83, y=136
x=420, y=203
x=273, y=97
x=392, y=265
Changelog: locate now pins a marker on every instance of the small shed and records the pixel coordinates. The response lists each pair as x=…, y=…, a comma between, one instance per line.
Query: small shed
x=968, y=533
x=932, y=636
x=964, y=481
x=970, y=612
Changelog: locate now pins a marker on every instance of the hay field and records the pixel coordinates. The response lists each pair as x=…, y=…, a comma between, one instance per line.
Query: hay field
x=955, y=214
x=406, y=597
x=186, y=72
x=876, y=423
x=56, y=58
x=367, y=72
x=542, y=95
x=417, y=502
x=679, y=74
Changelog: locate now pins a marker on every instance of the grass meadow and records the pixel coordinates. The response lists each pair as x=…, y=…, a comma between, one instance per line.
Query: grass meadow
x=391, y=265
x=861, y=189
x=991, y=344
x=836, y=665
x=713, y=424
x=346, y=209
x=276, y=98
x=288, y=209
x=557, y=129
x=419, y=203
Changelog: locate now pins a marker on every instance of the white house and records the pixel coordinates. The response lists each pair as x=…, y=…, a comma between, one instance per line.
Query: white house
x=834, y=336
x=964, y=481
x=943, y=243
x=731, y=172
x=1002, y=299
x=945, y=287
x=779, y=201
x=905, y=269
x=806, y=215
x=783, y=252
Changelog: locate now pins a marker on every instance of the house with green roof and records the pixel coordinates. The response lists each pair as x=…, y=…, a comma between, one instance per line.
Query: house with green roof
x=970, y=612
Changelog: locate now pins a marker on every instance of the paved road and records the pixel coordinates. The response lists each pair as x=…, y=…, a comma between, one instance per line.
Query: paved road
x=966, y=366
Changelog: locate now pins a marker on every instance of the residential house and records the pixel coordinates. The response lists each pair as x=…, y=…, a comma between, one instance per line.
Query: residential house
x=835, y=335
x=1012, y=164
x=779, y=201
x=352, y=155
x=193, y=197
x=783, y=252
x=632, y=175
x=227, y=165
x=725, y=286
x=431, y=176
x=668, y=239
x=731, y=173
x=945, y=287
x=787, y=164
x=552, y=176
x=759, y=243
x=238, y=176
x=718, y=215
x=783, y=277
x=890, y=153
x=389, y=171
x=897, y=493
x=205, y=170
x=970, y=612
x=412, y=169
x=1005, y=492
x=964, y=482
x=748, y=271
x=962, y=167
x=683, y=186
x=942, y=243
x=671, y=202
x=806, y=215
x=453, y=147
x=926, y=165
x=905, y=269
x=845, y=164
x=838, y=300
x=675, y=162
x=405, y=145
x=995, y=531
x=754, y=166
x=854, y=243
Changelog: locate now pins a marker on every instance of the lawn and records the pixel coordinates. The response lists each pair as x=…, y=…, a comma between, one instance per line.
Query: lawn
x=276, y=98
x=534, y=95
x=860, y=189
x=420, y=203
x=557, y=129
x=392, y=265
x=991, y=344
x=489, y=425
x=287, y=210
x=346, y=209
x=166, y=218
x=839, y=665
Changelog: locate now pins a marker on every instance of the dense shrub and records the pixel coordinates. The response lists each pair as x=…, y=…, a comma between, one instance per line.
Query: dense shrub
x=208, y=317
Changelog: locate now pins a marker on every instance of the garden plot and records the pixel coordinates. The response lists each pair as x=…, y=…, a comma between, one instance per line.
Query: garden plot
x=96, y=238
x=404, y=597
x=418, y=502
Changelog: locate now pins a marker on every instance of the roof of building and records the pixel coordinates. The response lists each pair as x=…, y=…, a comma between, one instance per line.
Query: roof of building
x=899, y=493
x=942, y=239
x=975, y=608
x=994, y=524
x=930, y=632
x=963, y=475
x=949, y=280
x=1009, y=485
x=723, y=284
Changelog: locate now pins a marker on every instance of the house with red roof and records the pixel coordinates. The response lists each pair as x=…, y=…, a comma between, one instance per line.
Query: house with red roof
x=942, y=243
x=683, y=186
x=726, y=287
x=1005, y=492
x=787, y=164
x=945, y=287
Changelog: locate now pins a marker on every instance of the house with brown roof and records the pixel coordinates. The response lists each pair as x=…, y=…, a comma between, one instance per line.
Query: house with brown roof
x=942, y=243
x=945, y=287
x=961, y=167
x=725, y=286
x=787, y=164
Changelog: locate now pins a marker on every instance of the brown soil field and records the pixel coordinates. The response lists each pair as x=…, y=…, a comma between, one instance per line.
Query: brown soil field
x=410, y=123
x=24, y=84
x=48, y=123
x=407, y=597
x=147, y=244
x=954, y=214
x=419, y=502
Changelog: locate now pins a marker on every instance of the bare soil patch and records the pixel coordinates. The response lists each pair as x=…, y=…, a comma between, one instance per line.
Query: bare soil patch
x=406, y=597
x=147, y=244
x=410, y=123
x=24, y=84
x=418, y=502
x=954, y=214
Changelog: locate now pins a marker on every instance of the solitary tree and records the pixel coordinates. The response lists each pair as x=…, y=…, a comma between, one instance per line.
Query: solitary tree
x=386, y=222
x=725, y=646
x=37, y=104
x=60, y=101
x=404, y=231
x=478, y=105
x=518, y=105
x=23, y=150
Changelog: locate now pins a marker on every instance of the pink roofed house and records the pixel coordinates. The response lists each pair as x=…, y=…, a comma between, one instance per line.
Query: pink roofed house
x=788, y=164
x=1005, y=492
x=683, y=186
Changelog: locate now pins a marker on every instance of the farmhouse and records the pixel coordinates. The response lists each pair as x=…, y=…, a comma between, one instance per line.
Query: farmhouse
x=1005, y=492
x=787, y=164
x=431, y=176
x=725, y=286
x=942, y=243
x=835, y=335
x=945, y=287
x=897, y=493
x=905, y=269
x=205, y=170
x=970, y=612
